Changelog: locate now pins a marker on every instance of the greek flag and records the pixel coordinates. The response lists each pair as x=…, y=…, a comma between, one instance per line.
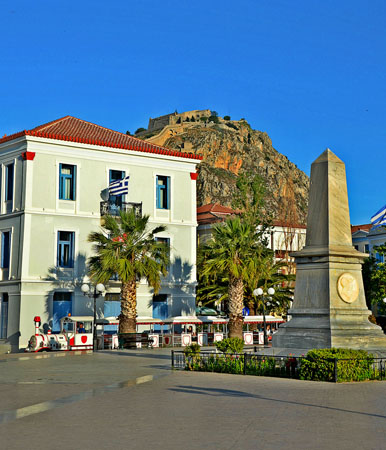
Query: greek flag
x=379, y=218
x=119, y=187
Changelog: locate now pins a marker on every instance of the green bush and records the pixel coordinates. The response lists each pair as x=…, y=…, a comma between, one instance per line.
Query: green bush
x=192, y=349
x=352, y=365
x=224, y=364
x=139, y=130
x=222, y=346
x=263, y=366
x=192, y=357
x=227, y=117
x=231, y=125
x=213, y=119
x=230, y=345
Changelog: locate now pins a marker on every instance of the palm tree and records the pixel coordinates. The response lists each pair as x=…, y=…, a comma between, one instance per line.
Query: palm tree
x=231, y=254
x=126, y=248
x=265, y=272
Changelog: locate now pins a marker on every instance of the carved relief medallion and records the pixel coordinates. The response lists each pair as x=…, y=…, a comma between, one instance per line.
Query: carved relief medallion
x=348, y=288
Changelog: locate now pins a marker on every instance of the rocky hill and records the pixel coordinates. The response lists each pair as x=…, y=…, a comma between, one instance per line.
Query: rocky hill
x=229, y=148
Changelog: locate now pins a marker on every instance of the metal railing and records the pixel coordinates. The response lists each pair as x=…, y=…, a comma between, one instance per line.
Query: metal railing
x=113, y=210
x=250, y=363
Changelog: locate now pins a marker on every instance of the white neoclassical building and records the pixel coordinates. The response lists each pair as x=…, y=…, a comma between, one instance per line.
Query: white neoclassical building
x=54, y=192
x=366, y=238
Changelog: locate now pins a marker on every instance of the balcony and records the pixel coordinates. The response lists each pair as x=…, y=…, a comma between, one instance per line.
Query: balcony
x=113, y=209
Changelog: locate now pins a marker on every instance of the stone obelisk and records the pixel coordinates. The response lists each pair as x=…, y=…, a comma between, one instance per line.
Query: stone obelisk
x=329, y=307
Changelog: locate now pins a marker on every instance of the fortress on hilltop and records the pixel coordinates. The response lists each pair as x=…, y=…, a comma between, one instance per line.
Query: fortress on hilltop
x=175, y=118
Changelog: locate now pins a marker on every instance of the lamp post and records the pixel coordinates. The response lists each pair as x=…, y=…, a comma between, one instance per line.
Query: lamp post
x=95, y=293
x=257, y=293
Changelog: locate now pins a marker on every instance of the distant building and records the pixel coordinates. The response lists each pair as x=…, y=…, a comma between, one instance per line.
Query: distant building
x=360, y=237
x=209, y=214
x=54, y=192
x=282, y=238
x=365, y=238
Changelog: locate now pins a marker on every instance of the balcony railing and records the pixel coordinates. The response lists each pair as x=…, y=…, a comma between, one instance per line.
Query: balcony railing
x=113, y=209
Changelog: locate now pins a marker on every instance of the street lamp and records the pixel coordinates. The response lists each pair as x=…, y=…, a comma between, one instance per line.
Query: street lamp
x=257, y=293
x=95, y=293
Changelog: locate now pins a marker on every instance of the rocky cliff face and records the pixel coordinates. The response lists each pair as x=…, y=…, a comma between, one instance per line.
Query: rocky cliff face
x=233, y=147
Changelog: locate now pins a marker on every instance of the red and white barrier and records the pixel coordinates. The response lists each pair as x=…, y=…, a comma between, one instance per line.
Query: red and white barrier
x=248, y=337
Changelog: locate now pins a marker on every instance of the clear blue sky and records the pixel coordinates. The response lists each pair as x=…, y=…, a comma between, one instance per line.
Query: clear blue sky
x=310, y=73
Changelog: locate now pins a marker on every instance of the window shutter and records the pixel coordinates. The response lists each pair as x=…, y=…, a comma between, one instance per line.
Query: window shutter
x=72, y=250
x=60, y=182
x=167, y=192
x=73, y=196
x=157, y=192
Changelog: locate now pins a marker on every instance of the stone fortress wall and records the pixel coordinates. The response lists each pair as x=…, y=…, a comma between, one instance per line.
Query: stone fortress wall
x=171, y=119
x=162, y=128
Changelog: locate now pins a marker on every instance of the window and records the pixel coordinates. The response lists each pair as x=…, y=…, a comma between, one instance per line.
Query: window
x=9, y=182
x=5, y=249
x=166, y=241
x=115, y=175
x=4, y=316
x=163, y=194
x=86, y=325
x=356, y=247
x=163, y=240
x=367, y=248
x=379, y=257
x=62, y=307
x=65, y=249
x=67, y=174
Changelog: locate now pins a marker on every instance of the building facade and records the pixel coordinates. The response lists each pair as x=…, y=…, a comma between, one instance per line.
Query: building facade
x=366, y=237
x=54, y=192
x=281, y=238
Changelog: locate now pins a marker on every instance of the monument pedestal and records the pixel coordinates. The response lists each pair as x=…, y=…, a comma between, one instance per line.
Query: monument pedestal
x=329, y=308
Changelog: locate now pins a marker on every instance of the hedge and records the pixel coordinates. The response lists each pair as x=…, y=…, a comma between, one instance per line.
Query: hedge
x=351, y=365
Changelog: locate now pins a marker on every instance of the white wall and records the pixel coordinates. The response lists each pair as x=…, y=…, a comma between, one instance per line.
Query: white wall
x=38, y=214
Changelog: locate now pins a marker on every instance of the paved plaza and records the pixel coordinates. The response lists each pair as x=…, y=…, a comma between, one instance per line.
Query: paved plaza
x=132, y=400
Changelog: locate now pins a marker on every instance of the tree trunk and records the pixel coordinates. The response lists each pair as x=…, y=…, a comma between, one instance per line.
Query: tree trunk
x=127, y=318
x=236, y=296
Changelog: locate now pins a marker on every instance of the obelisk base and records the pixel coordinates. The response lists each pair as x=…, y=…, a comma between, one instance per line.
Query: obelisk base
x=305, y=330
x=343, y=329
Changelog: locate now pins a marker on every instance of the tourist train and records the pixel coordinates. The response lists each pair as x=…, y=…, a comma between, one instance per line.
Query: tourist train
x=76, y=334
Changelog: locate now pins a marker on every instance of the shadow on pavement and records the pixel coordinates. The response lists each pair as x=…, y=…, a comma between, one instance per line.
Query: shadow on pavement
x=139, y=355
x=216, y=392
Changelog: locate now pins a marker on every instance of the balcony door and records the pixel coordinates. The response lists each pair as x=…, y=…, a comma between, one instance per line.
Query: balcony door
x=62, y=307
x=160, y=308
x=111, y=308
x=114, y=200
x=3, y=315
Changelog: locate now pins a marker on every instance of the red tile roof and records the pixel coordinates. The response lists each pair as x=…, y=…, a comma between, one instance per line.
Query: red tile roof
x=215, y=208
x=76, y=130
x=213, y=212
x=365, y=227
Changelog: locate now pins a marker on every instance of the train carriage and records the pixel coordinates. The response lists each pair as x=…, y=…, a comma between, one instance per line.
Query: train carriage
x=76, y=334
